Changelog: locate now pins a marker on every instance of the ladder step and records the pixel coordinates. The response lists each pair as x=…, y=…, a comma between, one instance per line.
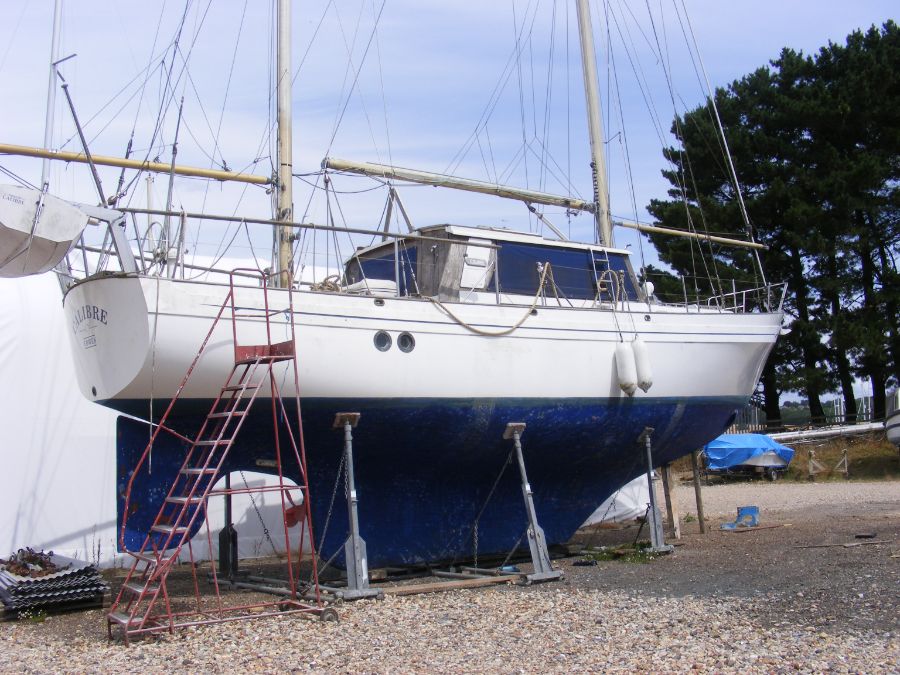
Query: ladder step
x=222, y=415
x=168, y=529
x=137, y=588
x=196, y=499
x=263, y=359
x=123, y=618
x=197, y=471
x=240, y=387
x=150, y=557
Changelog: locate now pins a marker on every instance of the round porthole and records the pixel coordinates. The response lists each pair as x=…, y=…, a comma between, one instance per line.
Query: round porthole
x=382, y=341
x=406, y=342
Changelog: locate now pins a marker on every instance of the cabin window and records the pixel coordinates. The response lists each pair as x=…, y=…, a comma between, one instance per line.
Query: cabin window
x=379, y=264
x=575, y=271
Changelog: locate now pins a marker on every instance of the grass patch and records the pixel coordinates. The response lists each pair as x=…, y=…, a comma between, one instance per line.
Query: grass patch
x=638, y=552
x=871, y=457
x=33, y=615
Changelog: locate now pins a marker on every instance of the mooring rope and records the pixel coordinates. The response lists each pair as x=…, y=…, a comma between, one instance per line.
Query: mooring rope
x=505, y=331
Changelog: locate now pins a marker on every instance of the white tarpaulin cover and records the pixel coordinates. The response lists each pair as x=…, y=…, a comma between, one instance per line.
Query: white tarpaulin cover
x=57, y=450
x=627, y=503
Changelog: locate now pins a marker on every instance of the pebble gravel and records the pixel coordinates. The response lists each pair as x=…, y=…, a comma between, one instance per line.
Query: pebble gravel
x=689, y=612
x=494, y=630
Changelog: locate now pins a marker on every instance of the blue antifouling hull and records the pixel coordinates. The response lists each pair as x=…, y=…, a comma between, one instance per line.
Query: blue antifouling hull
x=425, y=468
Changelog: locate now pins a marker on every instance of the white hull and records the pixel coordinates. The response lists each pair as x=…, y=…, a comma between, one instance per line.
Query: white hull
x=134, y=338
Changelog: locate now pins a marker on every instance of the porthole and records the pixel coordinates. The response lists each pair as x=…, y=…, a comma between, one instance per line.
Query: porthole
x=94, y=390
x=646, y=317
x=379, y=302
x=534, y=312
x=406, y=342
x=382, y=341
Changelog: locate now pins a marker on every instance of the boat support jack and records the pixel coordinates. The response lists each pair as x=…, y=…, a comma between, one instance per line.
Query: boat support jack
x=657, y=539
x=540, y=556
x=355, y=546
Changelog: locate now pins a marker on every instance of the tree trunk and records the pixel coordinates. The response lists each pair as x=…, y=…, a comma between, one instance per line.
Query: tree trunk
x=809, y=344
x=771, y=395
x=874, y=352
x=840, y=346
x=891, y=280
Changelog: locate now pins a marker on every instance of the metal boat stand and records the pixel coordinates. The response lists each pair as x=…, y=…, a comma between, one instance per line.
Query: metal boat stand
x=355, y=546
x=657, y=539
x=540, y=556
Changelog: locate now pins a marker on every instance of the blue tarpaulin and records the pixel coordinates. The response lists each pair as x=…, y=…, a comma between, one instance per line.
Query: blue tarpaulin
x=731, y=450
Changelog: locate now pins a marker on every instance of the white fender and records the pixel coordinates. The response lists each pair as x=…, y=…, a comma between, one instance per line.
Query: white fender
x=642, y=364
x=625, y=368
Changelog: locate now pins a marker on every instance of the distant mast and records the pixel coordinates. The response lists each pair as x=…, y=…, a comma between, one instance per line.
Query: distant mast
x=285, y=199
x=602, y=217
x=51, y=94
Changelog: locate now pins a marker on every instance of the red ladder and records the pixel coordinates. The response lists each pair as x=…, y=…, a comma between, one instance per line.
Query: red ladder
x=144, y=604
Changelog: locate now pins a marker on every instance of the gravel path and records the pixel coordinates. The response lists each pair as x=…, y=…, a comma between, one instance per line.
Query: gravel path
x=786, y=496
x=753, y=602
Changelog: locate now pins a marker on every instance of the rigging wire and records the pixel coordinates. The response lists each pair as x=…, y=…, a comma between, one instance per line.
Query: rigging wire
x=737, y=186
x=387, y=129
x=548, y=100
x=626, y=155
x=568, y=173
x=664, y=58
x=490, y=106
x=357, y=72
x=16, y=177
x=518, y=44
x=11, y=41
x=312, y=41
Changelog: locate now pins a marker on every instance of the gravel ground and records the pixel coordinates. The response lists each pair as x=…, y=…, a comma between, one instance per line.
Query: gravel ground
x=722, y=499
x=723, y=602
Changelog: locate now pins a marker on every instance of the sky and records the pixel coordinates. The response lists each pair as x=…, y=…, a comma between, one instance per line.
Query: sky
x=435, y=88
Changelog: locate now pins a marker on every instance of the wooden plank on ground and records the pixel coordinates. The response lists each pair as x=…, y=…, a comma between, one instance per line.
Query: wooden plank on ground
x=851, y=544
x=757, y=527
x=438, y=586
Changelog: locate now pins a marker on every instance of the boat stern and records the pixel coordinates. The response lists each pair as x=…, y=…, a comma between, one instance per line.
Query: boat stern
x=108, y=330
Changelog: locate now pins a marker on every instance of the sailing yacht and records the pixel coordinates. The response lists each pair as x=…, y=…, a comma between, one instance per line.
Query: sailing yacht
x=439, y=337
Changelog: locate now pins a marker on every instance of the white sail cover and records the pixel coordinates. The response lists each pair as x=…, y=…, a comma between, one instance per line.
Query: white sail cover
x=627, y=503
x=32, y=246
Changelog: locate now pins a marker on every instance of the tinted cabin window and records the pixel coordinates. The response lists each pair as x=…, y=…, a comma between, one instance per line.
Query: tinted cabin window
x=380, y=265
x=518, y=269
x=572, y=270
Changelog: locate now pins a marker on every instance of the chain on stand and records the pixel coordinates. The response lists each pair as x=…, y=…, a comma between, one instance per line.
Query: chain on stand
x=259, y=515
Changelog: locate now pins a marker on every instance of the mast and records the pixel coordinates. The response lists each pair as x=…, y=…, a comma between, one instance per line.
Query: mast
x=602, y=218
x=51, y=94
x=285, y=199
